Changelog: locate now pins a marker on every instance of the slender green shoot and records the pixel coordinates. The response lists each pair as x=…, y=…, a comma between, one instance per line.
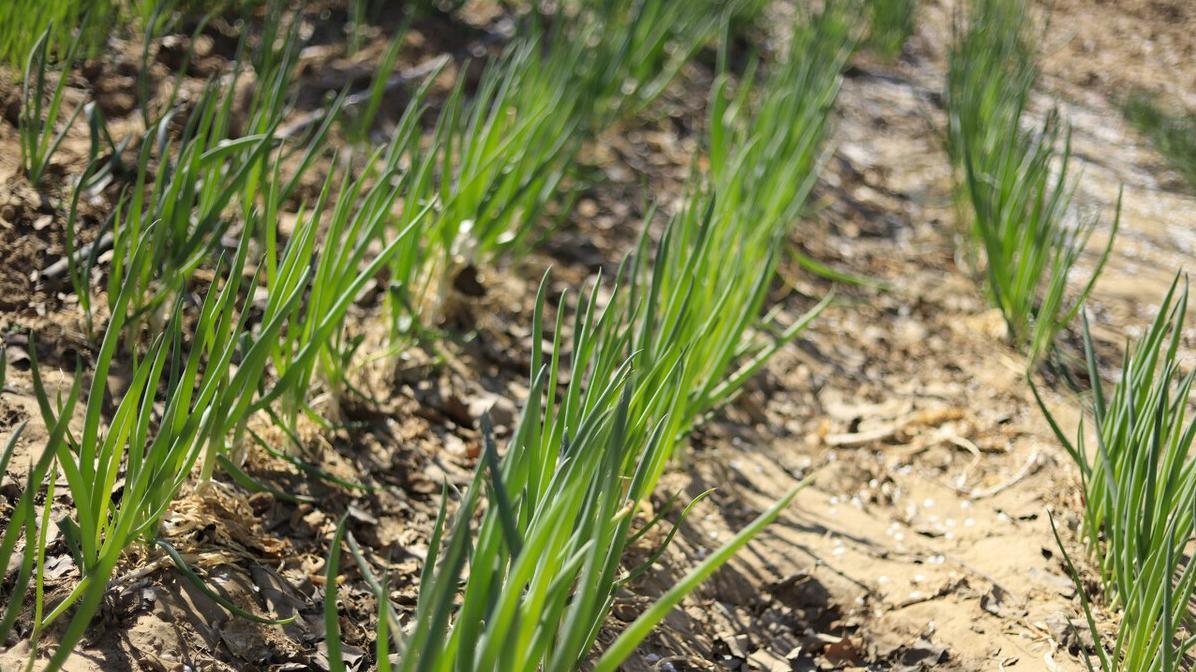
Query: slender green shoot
x=678, y=337
x=41, y=126
x=1173, y=135
x=891, y=22
x=1140, y=494
x=639, y=629
x=1016, y=180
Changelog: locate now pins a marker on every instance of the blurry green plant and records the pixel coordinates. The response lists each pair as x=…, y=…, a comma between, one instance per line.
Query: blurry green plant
x=186, y=184
x=1015, y=180
x=626, y=52
x=87, y=25
x=41, y=128
x=1173, y=135
x=25, y=23
x=503, y=159
x=891, y=22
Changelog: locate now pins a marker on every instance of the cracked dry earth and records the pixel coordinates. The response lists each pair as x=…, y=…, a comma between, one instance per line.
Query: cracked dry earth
x=923, y=541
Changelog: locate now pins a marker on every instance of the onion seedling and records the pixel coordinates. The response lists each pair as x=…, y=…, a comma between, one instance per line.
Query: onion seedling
x=1015, y=180
x=699, y=303
x=891, y=22
x=1172, y=134
x=153, y=451
x=360, y=218
x=187, y=191
x=1140, y=494
x=541, y=567
x=506, y=154
x=23, y=22
x=38, y=126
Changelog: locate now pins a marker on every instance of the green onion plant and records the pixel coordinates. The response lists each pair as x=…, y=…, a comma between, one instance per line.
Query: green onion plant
x=186, y=189
x=525, y=572
x=707, y=284
x=542, y=565
x=891, y=22
x=41, y=128
x=1173, y=135
x=152, y=452
x=1139, y=485
x=1015, y=179
x=22, y=526
x=529, y=585
x=510, y=150
x=627, y=51
x=344, y=261
x=25, y=23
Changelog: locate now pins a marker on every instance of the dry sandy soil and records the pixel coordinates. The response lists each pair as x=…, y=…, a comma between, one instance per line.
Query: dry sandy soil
x=923, y=542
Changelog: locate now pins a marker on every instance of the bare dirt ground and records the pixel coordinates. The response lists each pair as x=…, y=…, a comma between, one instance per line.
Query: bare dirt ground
x=923, y=542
